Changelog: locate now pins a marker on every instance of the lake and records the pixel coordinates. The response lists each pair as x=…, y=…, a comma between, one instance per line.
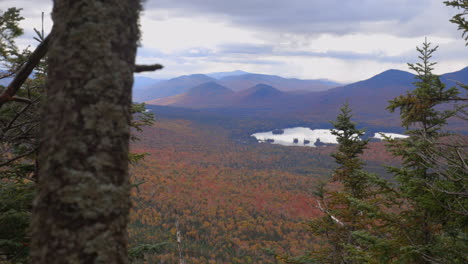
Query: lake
x=306, y=137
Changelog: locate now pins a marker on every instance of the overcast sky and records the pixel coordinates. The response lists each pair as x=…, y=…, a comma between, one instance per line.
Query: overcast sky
x=341, y=40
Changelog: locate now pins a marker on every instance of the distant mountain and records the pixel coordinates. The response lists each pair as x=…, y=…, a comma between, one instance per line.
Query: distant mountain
x=236, y=81
x=219, y=75
x=209, y=89
x=214, y=95
x=210, y=94
x=259, y=96
x=384, y=85
x=450, y=79
x=170, y=87
x=260, y=91
x=244, y=81
x=365, y=96
x=368, y=98
x=142, y=83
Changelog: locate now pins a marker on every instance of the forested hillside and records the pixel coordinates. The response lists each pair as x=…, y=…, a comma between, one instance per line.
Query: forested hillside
x=232, y=201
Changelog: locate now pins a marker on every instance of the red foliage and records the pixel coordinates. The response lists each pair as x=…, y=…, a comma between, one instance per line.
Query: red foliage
x=232, y=201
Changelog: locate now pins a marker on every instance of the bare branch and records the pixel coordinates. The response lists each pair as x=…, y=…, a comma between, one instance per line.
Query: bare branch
x=462, y=159
x=145, y=68
x=13, y=120
x=7, y=75
x=325, y=211
x=18, y=157
x=21, y=99
x=23, y=74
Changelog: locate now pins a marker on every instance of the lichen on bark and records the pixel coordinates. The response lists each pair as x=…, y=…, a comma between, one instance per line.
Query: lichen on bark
x=81, y=209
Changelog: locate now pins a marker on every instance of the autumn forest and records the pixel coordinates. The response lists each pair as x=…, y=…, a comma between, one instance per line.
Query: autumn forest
x=88, y=174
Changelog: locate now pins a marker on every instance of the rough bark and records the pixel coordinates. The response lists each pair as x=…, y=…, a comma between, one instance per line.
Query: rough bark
x=81, y=209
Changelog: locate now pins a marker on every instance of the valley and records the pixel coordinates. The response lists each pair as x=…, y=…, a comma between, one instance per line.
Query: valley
x=233, y=199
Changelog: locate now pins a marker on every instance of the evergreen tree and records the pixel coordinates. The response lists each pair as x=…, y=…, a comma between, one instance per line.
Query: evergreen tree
x=15, y=214
x=10, y=55
x=433, y=178
x=350, y=146
x=351, y=203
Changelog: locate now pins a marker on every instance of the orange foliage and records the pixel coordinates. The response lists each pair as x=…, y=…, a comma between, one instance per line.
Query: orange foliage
x=231, y=200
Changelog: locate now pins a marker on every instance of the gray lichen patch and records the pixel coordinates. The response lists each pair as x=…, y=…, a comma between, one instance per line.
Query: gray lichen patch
x=81, y=210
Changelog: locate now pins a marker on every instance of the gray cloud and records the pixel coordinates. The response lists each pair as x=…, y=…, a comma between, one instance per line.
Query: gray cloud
x=253, y=54
x=237, y=48
x=399, y=17
x=286, y=28
x=270, y=50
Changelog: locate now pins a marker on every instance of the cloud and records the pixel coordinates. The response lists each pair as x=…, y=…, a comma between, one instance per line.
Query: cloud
x=400, y=17
x=244, y=48
x=181, y=33
x=340, y=40
x=271, y=50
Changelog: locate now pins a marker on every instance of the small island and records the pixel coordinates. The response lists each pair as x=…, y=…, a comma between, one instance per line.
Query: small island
x=277, y=132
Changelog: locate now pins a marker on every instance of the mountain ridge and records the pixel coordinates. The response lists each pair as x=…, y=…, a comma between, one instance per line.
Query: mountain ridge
x=368, y=99
x=236, y=81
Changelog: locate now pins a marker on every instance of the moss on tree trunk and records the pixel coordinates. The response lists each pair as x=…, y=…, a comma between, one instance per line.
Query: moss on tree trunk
x=81, y=209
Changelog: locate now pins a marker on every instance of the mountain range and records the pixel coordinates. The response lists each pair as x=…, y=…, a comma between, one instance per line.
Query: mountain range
x=236, y=81
x=292, y=98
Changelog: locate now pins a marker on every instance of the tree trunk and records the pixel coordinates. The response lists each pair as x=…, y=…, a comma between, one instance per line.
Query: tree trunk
x=81, y=209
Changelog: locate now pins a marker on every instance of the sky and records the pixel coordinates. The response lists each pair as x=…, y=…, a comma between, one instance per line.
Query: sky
x=339, y=40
